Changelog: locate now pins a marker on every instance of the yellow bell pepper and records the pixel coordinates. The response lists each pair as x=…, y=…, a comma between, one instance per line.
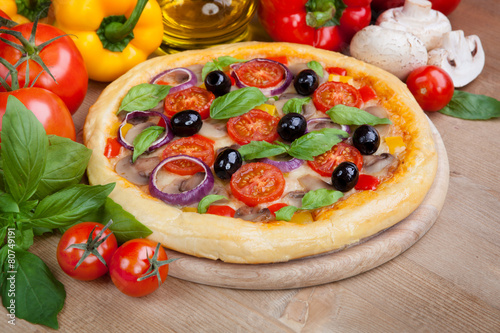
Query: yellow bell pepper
x=26, y=11
x=112, y=35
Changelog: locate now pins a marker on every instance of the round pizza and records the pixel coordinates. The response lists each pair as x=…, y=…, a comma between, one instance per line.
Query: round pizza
x=261, y=152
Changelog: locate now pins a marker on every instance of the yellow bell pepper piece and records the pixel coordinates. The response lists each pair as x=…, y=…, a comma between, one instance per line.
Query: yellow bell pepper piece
x=271, y=109
x=26, y=14
x=126, y=128
x=302, y=217
x=394, y=142
x=81, y=19
x=340, y=78
x=189, y=209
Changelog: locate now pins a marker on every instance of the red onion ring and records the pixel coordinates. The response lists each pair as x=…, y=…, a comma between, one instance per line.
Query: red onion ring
x=284, y=166
x=328, y=124
x=184, y=198
x=273, y=91
x=167, y=136
x=192, y=79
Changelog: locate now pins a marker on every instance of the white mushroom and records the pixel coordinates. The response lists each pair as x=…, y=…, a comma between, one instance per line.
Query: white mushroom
x=417, y=17
x=396, y=51
x=461, y=57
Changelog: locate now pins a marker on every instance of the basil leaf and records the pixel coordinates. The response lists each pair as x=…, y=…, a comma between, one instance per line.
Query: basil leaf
x=66, y=164
x=2, y=182
x=207, y=201
x=143, y=97
x=469, y=106
x=294, y=105
x=347, y=115
x=24, y=150
x=236, y=103
x=316, y=66
x=23, y=239
x=316, y=143
x=218, y=64
x=260, y=149
x=145, y=139
x=320, y=198
x=7, y=204
x=38, y=296
x=285, y=213
x=69, y=205
x=125, y=226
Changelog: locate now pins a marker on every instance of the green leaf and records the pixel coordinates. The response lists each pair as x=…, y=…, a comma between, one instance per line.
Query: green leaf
x=69, y=205
x=23, y=239
x=320, y=198
x=125, y=226
x=36, y=296
x=2, y=182
x=7, y=204
x=145, y=139
x=316, y=66
x=143, y=97
x=469, y=106
x=221, y=63
x=260, y=149
x=24, y=150
x=316, y=143
x=66, y=163
x=285, y=213
x=294, y=105
x=348, y=115
x=207, y=201
x=236, y=103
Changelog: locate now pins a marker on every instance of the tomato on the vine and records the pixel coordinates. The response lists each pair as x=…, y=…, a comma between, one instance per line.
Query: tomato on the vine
x=325, y=163
x=431, y=86
x=85, y=250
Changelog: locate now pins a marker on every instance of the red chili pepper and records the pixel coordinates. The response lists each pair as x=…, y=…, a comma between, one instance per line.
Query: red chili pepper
x=367, y=182
x=326, y=24
x=221, y=210
x=112, y=148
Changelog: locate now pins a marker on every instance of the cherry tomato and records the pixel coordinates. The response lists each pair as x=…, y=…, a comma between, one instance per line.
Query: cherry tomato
x=132, y=261
x=61, y=57
x=4, y=15
x=113, y=147
x=354, y=19
x=325, y=163
x=431, y=86
x=221, y=210
x=193, y=98
x=255, y=125
x=91, y=267
x=256, y=183
x=197, y=146
x=49, y=109
x=261, y=74
x=367, y=182
x=333, y=93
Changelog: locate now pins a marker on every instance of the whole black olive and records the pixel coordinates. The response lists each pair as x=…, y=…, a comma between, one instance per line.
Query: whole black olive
x=227, y=162
x=366, y=139
x=345, y=176
x=218, y=83
x=292, y=126
x=306, y=82
x=186, y=123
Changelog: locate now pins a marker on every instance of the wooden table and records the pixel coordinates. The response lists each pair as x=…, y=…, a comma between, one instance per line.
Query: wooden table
x=447, y=281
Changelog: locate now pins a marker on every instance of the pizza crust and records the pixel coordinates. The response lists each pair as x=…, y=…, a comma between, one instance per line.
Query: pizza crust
x=361, y=215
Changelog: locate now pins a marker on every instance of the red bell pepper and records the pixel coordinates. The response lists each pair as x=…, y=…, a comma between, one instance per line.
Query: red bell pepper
x=326, y=24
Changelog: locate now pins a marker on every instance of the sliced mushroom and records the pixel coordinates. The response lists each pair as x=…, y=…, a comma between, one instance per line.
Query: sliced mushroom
x=312, y=183
x=308, y=110
x=191, y=182
x=381, y=112
x=254, y=214
x=294, y=198
x=213, y=129
x=138, y=172
x=379, y=165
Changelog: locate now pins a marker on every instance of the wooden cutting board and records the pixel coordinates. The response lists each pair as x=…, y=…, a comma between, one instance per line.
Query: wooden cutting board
x=325, y=268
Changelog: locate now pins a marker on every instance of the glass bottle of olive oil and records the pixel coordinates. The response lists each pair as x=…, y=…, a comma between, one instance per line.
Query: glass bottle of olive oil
x=197, y=24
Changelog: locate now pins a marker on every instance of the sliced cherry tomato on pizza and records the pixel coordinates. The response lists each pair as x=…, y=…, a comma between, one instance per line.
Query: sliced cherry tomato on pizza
x=194, y=98
x=221, y=210
x=112, y=148
x=261, y=74
x=255, y=125
x=257, y=182
x=367, y=182
x=197, y=146
x=332, y=93
x=325, y=163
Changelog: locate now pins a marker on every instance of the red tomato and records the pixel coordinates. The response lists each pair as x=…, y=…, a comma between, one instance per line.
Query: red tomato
x=256, y=183
x=132, y=261
x=431, y=86
x=49, y=109
x=221, y=210
x=4, y=15
x=61, y=57
x=367, y=182
x=354, y=19
x=261, y=74
x=91, y=267
x=197, y=146
x=255, y=125
x=193, y=98
x=333, y=93
x=112, y=148
x=336, y=70
x=325, y=163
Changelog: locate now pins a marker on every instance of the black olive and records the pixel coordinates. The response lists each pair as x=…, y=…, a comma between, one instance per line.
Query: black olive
x=366, y=139
x=227, y=162
x=186, y=123
x=345, y=176
x=292, y=126
x=218, y=83
x=306, y=82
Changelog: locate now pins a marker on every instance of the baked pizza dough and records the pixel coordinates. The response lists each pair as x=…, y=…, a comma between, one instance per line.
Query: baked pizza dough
x=361, y=215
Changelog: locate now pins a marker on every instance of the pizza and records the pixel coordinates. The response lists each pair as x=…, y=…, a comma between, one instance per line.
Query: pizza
x=261, y=152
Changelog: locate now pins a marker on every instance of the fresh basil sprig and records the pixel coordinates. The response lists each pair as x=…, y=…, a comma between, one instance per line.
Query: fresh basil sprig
x=236, y=103
x=207, y=201
x=469, y=106
x=312, y=200
x=348, y=115
x=145, y=139
x=317, y=67
x=144, y=96
x=220, y=63
x=294, y=105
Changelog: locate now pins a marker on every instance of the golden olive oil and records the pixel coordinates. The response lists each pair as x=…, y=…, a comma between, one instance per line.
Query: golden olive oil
x=197, y=24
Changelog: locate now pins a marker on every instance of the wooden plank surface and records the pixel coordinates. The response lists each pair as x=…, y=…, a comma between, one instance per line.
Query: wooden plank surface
x=449, y=281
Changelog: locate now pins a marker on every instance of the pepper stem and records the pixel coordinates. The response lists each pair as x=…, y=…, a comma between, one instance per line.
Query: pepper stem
x=116, y=31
